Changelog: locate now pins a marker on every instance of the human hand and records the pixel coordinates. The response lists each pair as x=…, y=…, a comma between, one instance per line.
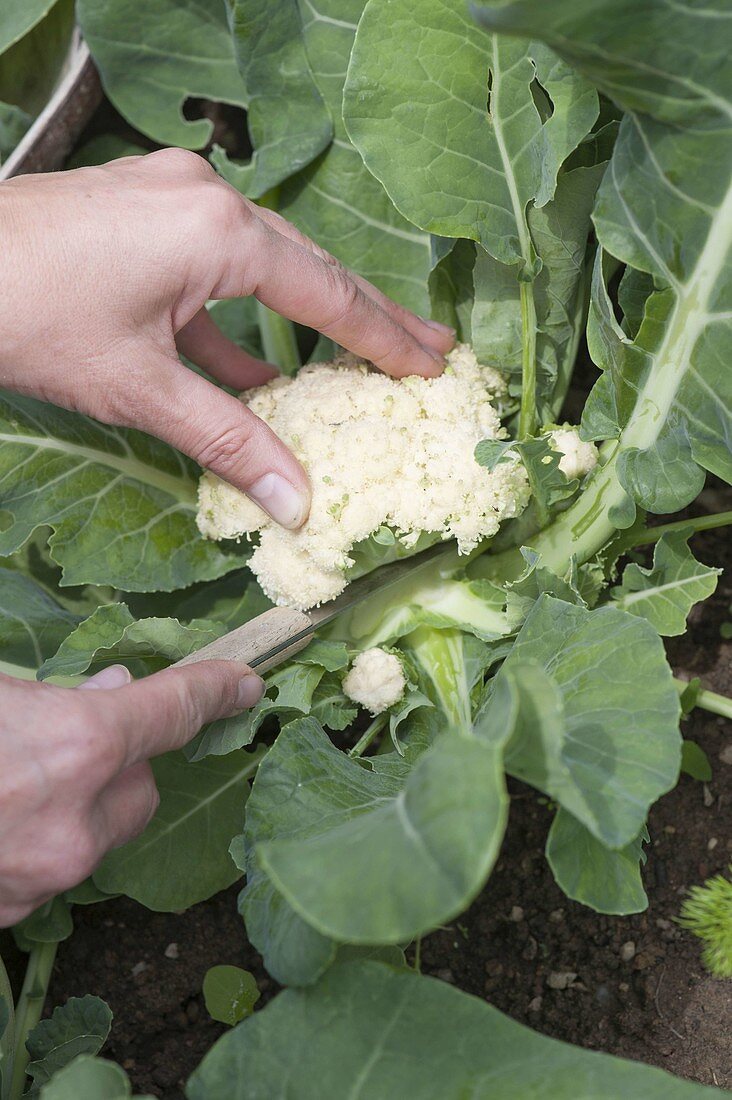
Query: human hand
x=105, y=276
x=74, y=774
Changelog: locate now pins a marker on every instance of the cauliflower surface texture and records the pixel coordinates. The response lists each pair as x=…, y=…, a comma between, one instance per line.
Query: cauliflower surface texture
x=379, y=451
x=578, y=457
x=375, y=681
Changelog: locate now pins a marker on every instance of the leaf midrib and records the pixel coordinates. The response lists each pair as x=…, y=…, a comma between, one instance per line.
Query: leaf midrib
x=180, y=490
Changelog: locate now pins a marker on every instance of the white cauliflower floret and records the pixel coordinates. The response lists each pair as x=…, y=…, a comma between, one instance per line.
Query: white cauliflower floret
x=376, y=680
x=379, y=452
x=578, y=457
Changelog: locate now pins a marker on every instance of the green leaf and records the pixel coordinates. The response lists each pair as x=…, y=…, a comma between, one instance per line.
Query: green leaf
x=32, y=624
x=201, y=809
x=336, y=200
x=606, y=880
x=405, y=849
x=451, y=289
x=89, y=1078
x=665, y=208
x=695, y=762
x=112, y=634
x=287, y=119
x=153, y=55
x=230, y=993
x=369, y=1030
x=103, y=148
x=289, y=695
x=50, y=923
x=122, y=504
x=585, y=736
x=666, y=593
x=80, y=1026
x=459, y=171
x=32, y=65
x=20, y=16
x=13, y=124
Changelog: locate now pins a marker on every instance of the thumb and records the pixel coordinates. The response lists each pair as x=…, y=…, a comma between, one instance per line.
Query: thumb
x=165, y=710
x=223, y=436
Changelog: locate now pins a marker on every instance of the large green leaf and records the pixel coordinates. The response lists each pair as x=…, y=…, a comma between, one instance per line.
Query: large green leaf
x=112, y=634
x=586, y=736
x=31, y=67
x=664, y=207
x=88, y=1078
x=336, y=200
x=419, y=81
x=405, y=849
x=367, y=1030
x=153, y=55
x=604, y=879
x=80, y=1026
x=32, y=624
x=18, y=17
x=182, y=856
x=287, y=119
x=666, y=593
x=122, y=505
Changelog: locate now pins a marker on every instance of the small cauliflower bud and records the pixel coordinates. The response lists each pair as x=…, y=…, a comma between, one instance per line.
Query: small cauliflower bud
x=578, y=457
x=375, y=681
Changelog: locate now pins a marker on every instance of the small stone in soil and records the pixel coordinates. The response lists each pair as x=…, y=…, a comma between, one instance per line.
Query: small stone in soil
x=517, y=914
x=560, y=979
x=726, y=754
x=138, y=969
x=556, y=916
x=712, y=843
x=627, y=951
x=535, y=1005
x=172, y=951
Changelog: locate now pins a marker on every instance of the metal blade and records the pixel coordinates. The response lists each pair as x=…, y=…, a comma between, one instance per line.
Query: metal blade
x=356, y=592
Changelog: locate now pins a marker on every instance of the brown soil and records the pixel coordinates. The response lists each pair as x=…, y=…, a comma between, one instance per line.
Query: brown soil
x=639, y=991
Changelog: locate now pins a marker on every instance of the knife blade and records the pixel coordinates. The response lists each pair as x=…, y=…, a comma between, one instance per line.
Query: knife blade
x=276, y=635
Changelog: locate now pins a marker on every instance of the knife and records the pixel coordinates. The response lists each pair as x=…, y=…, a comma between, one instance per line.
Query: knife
x=280, y=633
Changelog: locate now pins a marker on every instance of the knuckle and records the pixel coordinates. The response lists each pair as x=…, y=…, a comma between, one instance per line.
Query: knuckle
x=344, y=295
x=224, y=207
x=181, y=162
x=226, y=451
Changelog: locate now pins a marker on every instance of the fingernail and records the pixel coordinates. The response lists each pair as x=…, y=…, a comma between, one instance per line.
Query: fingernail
x=112, y=677
x=280, y=500
x=250, y=691
x=439, y=327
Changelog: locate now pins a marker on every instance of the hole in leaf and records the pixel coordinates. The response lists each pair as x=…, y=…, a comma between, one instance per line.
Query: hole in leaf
x=542, y=101
x=489, y=92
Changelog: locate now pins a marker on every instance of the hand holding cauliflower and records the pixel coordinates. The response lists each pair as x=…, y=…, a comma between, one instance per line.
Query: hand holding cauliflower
x=379, y=452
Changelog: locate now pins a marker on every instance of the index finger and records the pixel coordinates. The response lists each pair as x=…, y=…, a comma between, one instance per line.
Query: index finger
x=297, y=283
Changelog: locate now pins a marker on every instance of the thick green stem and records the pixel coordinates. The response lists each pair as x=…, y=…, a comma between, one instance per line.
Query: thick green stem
x=372, y=731
x=527, y=412
x=277, y=332
x=29, y=1009
x=708, y=700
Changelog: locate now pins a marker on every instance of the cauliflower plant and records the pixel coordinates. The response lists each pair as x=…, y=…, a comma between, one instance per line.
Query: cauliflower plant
x=376, y=680
x=380, y=452
x=578, y=457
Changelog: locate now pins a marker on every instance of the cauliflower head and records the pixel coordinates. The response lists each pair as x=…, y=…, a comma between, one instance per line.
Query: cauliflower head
x=380, y=452
x=578, y=457
x=375, y=681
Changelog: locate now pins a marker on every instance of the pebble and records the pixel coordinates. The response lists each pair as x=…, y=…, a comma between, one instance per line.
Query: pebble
x=627, y=951
x=535, y=1005
x=517, y=914
x=726, y=754
x=560, y=979
x=556, y=916
x=531, y=950
x=138, y=969
x=712, y=843
x=624, y=987
x=663, y=924
x=708, y=796
x=172, y=951
x=445, y=975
